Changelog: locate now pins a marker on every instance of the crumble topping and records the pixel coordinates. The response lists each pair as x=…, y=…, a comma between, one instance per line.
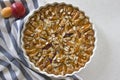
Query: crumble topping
x=59, y=39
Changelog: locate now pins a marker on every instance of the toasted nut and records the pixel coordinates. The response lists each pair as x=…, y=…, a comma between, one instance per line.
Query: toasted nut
x=76, y=15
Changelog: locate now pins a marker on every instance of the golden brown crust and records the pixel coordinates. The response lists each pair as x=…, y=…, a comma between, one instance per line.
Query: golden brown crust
x=59, y=39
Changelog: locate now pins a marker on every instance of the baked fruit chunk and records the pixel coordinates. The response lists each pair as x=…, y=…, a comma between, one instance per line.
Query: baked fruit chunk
x=58, y=39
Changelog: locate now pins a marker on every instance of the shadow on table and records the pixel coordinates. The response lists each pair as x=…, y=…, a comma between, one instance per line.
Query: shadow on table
x=100, y=61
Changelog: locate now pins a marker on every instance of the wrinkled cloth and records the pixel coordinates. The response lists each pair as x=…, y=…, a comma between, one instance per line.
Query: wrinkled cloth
x=13, y=65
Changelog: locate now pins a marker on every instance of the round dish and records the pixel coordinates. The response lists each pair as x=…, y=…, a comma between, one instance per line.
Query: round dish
x=58, y=39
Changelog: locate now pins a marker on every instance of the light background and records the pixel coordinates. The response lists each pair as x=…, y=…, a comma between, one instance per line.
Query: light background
x=105, y=14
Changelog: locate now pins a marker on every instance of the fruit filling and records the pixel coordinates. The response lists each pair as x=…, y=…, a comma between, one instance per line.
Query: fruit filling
x=58, y=39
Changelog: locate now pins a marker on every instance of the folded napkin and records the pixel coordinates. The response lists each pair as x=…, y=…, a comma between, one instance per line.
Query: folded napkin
x=13, y=65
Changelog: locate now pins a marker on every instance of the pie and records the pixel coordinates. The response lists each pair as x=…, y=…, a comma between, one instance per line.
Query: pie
x=58, y=39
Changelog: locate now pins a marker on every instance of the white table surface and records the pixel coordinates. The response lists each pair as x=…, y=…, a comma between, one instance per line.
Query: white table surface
x=105, y=14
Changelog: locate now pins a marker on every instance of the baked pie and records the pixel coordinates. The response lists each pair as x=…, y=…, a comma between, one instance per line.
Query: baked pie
x=58, y=39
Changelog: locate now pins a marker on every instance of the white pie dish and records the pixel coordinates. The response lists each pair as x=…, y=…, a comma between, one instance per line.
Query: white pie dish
x=36, y=68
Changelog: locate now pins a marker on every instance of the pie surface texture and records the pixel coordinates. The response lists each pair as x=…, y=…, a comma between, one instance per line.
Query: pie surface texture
x=58, y=39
